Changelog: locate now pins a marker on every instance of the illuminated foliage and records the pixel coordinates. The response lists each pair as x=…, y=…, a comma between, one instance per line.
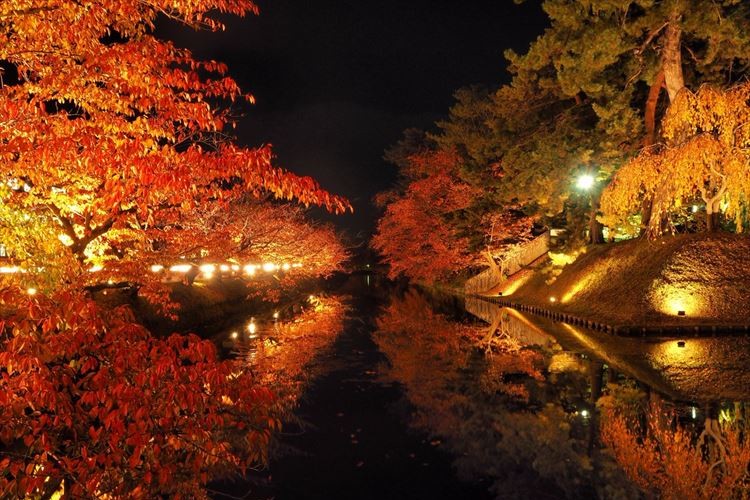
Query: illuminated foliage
x=588, y=94
x=704, y=157
x=114, y=155
x=414, y=235
x=112, y=134
x=92, y=404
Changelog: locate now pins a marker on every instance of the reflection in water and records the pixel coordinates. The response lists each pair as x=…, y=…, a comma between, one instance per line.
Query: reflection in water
x=528, y=403
x=494, y=408
x=280, y=352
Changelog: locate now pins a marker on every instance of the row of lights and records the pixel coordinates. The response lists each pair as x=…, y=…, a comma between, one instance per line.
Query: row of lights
x=208, y=270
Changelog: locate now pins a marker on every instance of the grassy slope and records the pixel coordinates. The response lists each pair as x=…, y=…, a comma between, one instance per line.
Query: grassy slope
x=646, y=282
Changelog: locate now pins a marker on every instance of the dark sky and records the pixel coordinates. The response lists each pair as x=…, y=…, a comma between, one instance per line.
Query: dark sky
x=337, y=81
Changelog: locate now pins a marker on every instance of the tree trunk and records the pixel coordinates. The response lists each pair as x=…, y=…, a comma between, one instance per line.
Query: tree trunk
x=672, y=57
x=712, y=221
x=596, y=229
x=651, y=104
x=647, y=207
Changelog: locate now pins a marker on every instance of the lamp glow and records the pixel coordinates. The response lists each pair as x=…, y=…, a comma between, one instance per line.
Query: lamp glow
x=269, y=267
x=585, y=182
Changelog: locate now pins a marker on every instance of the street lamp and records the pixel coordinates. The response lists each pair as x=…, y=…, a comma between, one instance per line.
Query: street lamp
x=585, y=182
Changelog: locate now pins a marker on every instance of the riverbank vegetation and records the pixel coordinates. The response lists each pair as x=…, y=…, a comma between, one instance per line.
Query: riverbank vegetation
x=621, y=115
x=119, y=172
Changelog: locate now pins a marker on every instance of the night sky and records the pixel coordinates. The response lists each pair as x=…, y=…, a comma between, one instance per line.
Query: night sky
x=337, y=81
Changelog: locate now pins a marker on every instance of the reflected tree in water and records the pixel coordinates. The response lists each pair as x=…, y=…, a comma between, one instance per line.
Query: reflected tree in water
x=671, y=460
x=490, y=400
x=283, y=356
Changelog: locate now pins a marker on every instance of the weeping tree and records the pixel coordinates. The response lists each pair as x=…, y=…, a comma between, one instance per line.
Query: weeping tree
x=705, y=155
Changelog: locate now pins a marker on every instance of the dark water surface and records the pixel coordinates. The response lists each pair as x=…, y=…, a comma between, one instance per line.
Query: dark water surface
x=423, y=396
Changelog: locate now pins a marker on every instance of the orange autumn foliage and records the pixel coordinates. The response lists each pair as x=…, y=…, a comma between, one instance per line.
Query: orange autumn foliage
x=106, y=130
x=94, y=405
x=704, y=156
x=667, y=461
x=413, y=235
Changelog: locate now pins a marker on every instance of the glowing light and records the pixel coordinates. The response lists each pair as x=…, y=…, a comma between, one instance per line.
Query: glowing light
x=585, y=182
x=181, y=268
x=235, y=267
x=252, y=328
x=695, y=208
x=694, y=412
x=31, y=290
x=552, y=299
x=224, y=268
x=269, y=267
x=584, y=413
x=250, y=269
x=207, y=268
x=110, y=281
x=234, y=335
x=678, y=300
x=96, y=269
x=9, y=269
x=157, y=268
x=276, y=315
x=311, y=298
x=286, y=267
x=208, y=276
x=296, y=264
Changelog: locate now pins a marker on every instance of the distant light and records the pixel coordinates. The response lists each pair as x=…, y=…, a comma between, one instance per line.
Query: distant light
x=694, y=412
x=181, y=268
x=207, y=268
x=269, y=267
x=680, y=343
x=31, y=290
x=695, y=208
x=276, y=315
x=311, y=298
x=297, y=264
x=285, y=267
x=584, y=413
x=367, y=265
x=224, y=268
x=157, y=268
x=235, y=267
x=208, y=276
x=234, y=335
x=250, y=269
x=110, y=281
x=9, y=269
x=585, y=182
x=552, y=299
x=252, y=328
x=96, y=269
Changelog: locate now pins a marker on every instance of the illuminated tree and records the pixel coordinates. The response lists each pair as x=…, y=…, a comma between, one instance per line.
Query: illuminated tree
x=588, y=94
x=414, y=234
x=106, y=130
x=113, y=153
x=704, y=156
